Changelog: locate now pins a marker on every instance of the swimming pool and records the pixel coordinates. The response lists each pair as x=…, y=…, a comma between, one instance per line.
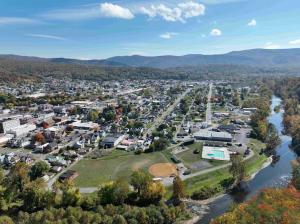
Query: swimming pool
x=216, y=154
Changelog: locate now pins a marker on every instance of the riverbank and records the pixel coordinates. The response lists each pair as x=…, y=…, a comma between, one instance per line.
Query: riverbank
x=197, y=217
x=265, y=165
x=275, y=176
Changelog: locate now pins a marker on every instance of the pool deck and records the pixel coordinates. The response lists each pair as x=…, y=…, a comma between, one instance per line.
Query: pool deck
x=216, y=153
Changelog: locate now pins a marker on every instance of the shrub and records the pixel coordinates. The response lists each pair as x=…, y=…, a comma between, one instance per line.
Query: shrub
x=206, y=192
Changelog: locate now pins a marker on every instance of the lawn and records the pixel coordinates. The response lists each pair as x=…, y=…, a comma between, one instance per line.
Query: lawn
x=257, y=161
x=93, y=172
x=210, y=179
x=188, y=157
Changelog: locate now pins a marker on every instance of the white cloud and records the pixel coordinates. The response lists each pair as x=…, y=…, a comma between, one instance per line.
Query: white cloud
x=47, y=36
x=180, y=12
x=295, y=42
x=252, y=23
x=90, y=12
x=16, y=21
x=116, y=11
x=192, y=9
x=270, y=45
x=216, y=32
x=168, y=35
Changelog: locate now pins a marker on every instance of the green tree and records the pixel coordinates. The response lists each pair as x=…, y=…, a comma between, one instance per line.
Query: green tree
x=93, y=115
x=16, y=180
x=142, y=217
x=3, y=201
x=114, y=193
x=35, y=197
x=237, y=169
x=158, y=145
x=272, y=139
x=119, y=219
x=147, y=191
x=6, y=220
x=140, y=180
x=70, y=195
x=38, y=170
x=296, y=177
x=236, y=99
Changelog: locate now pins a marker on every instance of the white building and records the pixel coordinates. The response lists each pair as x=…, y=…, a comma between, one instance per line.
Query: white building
x=22, y=130
x=85, y=125
x=9, y=124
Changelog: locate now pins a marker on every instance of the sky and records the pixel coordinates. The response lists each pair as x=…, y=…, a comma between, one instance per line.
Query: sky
x=96, y=29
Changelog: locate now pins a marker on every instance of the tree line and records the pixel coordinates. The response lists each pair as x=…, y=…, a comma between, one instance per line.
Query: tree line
x=288, y=89
x=24, y=198
x=261, y=128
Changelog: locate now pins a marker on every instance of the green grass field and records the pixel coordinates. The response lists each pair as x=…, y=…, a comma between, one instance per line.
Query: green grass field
x=256, y=162
x=188, y=157
x=93, y=172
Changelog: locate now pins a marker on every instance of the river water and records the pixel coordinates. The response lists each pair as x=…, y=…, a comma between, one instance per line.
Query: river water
x=275, y=175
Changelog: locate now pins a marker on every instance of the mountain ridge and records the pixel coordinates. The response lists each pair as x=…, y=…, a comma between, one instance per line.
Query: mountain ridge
x=252, y=57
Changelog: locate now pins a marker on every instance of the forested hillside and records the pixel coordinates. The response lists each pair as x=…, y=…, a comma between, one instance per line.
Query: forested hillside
x=22, y=69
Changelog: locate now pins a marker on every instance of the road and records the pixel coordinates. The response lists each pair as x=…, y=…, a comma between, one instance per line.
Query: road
x=161, y=118
x=208, y=106
x=53, y=179
x=178, y=127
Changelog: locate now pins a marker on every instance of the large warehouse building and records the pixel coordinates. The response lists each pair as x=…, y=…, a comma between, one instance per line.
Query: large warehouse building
x=213, y=136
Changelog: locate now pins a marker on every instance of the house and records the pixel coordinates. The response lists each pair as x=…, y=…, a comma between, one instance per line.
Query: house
x=50, y=147
x=70, y=154
x=9, y=159
x=57, y=161
x=79, y=144
x=112, y=140
x=85, y=125
x=40, y=148
x=68, y=175
x=18, y=142
x=28, y=159
x=56, y=169
x=125, y=145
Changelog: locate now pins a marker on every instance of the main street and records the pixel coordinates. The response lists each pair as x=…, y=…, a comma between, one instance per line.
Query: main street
x=208, y=106
x=168, y=111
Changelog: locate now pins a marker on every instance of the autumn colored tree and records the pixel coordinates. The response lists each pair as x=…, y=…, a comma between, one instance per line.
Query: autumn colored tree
x=269, y=206
x=39, y=137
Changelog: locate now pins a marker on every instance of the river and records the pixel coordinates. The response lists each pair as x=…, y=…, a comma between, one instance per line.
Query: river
x=275, y=175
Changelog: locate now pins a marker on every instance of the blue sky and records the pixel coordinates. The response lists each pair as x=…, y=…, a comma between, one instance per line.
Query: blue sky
x=88, y=29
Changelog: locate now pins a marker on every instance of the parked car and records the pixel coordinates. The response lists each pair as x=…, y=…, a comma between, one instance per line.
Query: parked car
x=187, y=172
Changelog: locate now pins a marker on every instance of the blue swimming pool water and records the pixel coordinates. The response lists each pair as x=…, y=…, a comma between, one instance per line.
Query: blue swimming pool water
x=217, y=154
